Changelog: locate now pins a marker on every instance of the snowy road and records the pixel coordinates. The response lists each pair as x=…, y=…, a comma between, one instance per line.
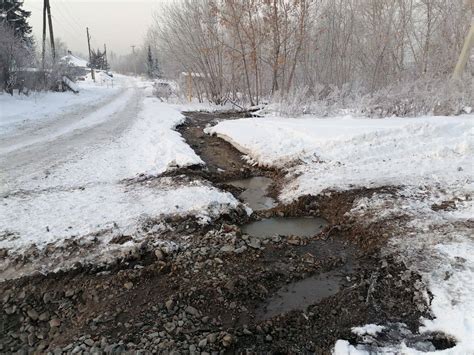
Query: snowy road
x=30, y=153
x=62, y=175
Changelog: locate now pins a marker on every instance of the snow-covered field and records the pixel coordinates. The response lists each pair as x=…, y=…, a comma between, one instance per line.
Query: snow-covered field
x=69, y=180
x=430, y=158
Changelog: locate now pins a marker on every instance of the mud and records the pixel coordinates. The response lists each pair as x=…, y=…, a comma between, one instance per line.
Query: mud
x=223, y=291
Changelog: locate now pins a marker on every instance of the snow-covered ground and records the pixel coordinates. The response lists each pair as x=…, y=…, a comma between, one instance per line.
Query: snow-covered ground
x=20, y=110
x=68, y=176
x=430, y=158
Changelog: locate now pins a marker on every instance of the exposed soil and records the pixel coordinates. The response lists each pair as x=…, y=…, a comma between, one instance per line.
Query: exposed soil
x=212, y=295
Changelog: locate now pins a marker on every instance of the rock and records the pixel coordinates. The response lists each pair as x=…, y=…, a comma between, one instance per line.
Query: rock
x=240, y=250
x=55, y=322
x=192, y=311
x=227, y=340
x=76, y=350
x=44, y=316
x=128, y=285
x=159, y=254
x=254, y=243
x=32, y=314
x=89, y=342
x=227, y=248
x=169, y=305
x=69, y=293
x=31, y=339
x=212, y=338
x=10, y=310
x=268, y=338
x=170, y=326
x=202, y=344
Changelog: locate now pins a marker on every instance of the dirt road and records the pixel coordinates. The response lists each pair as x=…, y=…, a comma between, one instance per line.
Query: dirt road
x=224, y=291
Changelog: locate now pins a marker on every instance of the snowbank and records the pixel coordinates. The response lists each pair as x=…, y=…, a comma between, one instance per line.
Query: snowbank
x=345, y=152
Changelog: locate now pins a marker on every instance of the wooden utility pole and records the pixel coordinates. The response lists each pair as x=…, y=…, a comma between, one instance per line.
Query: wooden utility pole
x=90, y=55
x=105, y=57
x=466, y=51
x=51, y=34
x=44, y=34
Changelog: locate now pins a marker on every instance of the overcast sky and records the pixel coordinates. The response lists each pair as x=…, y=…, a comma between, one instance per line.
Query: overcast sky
x=120, y=24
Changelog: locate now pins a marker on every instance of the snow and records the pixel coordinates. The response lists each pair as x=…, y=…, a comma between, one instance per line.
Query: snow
x=369, y=329
x=18, y=110
x=94, y=188
x=429, y=158
x=344, y=152
x=63, y=213
x=75, y=61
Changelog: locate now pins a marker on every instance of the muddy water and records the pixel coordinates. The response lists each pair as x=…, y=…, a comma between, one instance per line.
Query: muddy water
x=255, y=193
x=301, y=294
x=284, y=226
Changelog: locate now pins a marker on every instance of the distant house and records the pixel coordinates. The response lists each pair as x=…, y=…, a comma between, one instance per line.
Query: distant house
x=77, y=66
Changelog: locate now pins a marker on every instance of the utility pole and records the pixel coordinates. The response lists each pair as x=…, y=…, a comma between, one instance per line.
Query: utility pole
x=44, y=34
x=47, y=11
x=90, y=55
x=51, y=35
x=105, y=57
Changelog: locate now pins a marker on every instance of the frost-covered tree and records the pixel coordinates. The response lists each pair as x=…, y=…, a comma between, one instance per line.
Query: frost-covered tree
x=15, y=54
x=13, y=14
x=248, y=49
x=99, y=60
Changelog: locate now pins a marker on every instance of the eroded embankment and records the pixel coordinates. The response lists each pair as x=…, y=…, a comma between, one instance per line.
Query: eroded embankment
x=222, y=290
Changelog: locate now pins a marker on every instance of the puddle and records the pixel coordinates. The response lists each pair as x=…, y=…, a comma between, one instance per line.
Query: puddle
x=285, y=226
x=299, y=295
x=255, y=194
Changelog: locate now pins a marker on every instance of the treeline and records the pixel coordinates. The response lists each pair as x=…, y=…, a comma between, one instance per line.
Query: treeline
x=254, y=49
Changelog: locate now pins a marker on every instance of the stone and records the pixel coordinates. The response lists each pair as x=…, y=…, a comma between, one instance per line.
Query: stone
x=192, y=311
x=10, y=310
x=159, y=254
x=55, y=322
x=44, y=316
x=32, y=314
x=128, y=285
x=268, y=338
x=203, y=343
x=169, y=305
x=227, y=340
x=69, y=293
x=170, y=326
x=31, y=339
x=254, y=243
x=212, y=338
x=89, y=342
x=227, y=248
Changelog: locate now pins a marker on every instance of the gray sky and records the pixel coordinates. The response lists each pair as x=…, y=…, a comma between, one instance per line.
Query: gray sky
x=119, y=24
